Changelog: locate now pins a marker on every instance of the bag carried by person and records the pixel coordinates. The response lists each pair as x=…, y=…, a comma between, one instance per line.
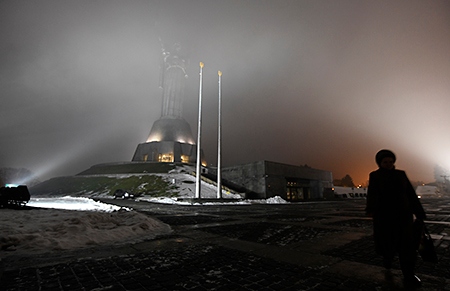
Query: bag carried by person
x=424, y=242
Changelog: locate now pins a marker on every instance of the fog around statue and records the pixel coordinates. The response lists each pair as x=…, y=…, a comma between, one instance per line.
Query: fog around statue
x=172, y=81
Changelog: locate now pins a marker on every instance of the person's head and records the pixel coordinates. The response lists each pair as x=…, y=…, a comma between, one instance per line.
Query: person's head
x=385, y=159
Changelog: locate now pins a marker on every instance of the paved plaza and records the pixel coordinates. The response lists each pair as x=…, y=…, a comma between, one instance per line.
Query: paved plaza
x=323, y=245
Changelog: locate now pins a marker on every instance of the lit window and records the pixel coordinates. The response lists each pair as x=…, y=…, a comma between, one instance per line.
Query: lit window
x=184, y=159
x=165, y=158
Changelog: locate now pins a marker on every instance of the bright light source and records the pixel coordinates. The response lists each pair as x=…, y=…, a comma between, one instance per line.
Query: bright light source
x=11, y=185
x=154, y=137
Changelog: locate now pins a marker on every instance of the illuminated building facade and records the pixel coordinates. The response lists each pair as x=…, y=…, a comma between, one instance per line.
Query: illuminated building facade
x=170, y=139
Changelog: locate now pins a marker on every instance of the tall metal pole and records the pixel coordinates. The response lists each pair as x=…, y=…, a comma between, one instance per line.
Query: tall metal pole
x=199, y=133
x=219, y=142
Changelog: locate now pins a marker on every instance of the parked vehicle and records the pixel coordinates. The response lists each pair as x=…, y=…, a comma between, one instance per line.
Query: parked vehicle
x=122, y=194
x=14, y=195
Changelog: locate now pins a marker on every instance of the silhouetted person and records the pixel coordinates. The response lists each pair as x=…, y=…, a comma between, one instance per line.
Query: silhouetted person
x=393, y=204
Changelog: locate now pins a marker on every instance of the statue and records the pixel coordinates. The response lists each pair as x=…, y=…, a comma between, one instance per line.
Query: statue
x=170, y=139
x=172, y=81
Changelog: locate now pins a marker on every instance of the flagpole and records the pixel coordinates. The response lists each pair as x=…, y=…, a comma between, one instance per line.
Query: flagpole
x=199, y=131
x=219, y=141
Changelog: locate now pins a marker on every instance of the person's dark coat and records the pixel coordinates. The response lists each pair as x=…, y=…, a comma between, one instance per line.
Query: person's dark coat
x=392, y=201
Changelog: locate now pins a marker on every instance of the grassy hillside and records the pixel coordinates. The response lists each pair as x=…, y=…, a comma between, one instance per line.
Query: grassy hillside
x=85, y=185
x=90, y=182
x=129, y=168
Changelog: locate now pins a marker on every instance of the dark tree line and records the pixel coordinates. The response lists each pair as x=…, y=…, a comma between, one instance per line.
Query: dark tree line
x=441, y=175
x=346, y=181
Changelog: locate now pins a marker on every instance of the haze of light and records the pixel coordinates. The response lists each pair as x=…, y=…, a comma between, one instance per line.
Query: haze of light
x=323, y=83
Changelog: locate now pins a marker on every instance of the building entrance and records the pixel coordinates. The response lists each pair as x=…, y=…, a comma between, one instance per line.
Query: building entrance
x=297, y=189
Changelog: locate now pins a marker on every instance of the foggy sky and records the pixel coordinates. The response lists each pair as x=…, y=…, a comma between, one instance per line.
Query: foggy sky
x=322, y=83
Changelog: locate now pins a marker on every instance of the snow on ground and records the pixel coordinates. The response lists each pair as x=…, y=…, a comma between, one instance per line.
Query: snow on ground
x=170, y=200
x=185, y=184
x=73, y=203
x=38, y=230
x=65, y=223
x=186, y=187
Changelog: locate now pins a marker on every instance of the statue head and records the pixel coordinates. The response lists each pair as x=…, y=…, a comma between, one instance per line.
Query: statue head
x=176, y=48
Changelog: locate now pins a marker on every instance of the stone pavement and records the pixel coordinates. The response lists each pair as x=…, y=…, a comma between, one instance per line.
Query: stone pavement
x=299, y=246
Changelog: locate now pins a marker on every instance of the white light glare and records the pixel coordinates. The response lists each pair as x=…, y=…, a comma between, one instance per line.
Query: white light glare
x=73, y=203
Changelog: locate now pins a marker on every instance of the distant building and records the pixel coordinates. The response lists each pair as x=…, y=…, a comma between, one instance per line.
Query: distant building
x=349, y=192
x=265, y=179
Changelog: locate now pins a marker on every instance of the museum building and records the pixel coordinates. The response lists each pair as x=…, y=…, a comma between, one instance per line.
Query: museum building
x=266, y=179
